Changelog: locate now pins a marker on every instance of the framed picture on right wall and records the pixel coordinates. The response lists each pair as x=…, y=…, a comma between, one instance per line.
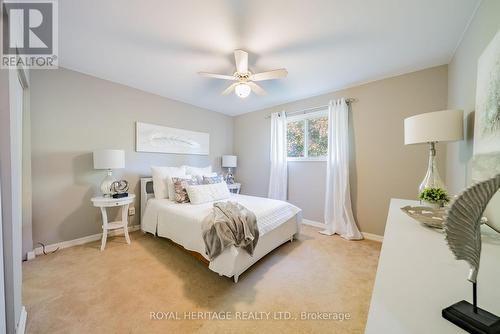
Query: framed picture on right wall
x=486, y=160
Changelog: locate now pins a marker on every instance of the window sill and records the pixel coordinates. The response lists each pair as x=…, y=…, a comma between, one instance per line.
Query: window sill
x=306, y=159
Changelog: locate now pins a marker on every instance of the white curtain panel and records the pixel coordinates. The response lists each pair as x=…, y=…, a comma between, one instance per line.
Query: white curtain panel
x=338, y=211
x=278, y=176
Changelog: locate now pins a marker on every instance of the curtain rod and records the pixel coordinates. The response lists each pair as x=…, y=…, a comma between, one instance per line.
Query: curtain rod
x=313, y=109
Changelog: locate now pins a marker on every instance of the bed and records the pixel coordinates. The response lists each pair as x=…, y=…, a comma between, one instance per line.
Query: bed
x=278, y=223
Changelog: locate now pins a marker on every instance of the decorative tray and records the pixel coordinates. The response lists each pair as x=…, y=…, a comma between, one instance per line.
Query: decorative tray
x=433, y=217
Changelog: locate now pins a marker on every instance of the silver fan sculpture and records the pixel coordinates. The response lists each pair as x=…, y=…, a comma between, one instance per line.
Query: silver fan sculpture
x=462, y=229
x=119, y=187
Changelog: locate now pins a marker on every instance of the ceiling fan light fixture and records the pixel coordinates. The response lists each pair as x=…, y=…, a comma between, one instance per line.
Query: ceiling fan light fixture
x=244, y=80
x=242, y=90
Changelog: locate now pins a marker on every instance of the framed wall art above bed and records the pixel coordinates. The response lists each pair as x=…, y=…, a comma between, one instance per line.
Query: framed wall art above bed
x=163, y=139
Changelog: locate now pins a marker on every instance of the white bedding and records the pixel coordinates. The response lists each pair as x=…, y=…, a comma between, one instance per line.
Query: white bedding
x=182, y=222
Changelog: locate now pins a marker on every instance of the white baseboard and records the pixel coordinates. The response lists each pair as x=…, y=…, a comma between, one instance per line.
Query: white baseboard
x=368, y=236
x=373, y=237
x=21, y=325
x=313, y=223
x=81, y=241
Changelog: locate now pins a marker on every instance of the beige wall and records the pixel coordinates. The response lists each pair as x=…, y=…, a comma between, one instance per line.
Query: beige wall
x=381, y=166
x=73, y=114
x=462, y=92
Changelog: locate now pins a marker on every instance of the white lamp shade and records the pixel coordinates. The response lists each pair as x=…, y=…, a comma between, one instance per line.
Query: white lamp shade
x=438, y=126
x=109, y=159
x=229, y=161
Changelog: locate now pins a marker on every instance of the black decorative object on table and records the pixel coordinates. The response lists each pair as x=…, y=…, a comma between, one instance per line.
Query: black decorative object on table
x=462, y=227
x=121, y=195
x=479, y=321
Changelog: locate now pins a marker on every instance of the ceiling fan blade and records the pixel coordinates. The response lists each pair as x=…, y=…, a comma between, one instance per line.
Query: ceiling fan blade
x=269, y=75
x=229, y=89
x=217, y=76
x=256, y=88
x=241, y=59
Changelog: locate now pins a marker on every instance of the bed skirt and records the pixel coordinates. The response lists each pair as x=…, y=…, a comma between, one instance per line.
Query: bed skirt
x=234, y=261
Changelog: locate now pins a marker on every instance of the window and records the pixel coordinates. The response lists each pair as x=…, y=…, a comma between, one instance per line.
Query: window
x=307, y=136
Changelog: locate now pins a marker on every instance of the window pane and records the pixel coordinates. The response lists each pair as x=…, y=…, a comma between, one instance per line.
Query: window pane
x=295, y=139
x=317, y=137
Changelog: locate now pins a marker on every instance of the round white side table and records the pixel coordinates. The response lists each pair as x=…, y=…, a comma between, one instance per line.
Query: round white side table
x=108, y=202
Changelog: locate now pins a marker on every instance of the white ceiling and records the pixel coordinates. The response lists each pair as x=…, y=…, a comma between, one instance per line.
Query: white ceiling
x=159, y=46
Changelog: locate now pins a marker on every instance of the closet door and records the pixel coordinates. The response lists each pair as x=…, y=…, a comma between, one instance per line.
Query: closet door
x=16, y=125
x=3, y=328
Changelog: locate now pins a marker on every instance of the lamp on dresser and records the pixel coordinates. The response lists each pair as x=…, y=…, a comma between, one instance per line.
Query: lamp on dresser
x=431, y=128
x=109, y=160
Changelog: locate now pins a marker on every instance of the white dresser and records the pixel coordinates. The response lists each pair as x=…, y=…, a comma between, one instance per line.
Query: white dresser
x=417, y=277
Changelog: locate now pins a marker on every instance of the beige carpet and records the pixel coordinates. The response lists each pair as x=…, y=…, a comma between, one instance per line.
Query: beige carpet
x=81, y=290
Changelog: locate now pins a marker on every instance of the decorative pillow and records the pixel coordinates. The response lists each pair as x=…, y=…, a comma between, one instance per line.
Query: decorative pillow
x=198, y=171
x=180, y=184
x=162, y=176
x=207, y=192
x=200, y=177
x=212, y=179
x=171, y=187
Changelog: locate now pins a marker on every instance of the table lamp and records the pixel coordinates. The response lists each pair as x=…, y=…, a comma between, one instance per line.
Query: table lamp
x=229, y=161
x=433, y=127
x=108, y=159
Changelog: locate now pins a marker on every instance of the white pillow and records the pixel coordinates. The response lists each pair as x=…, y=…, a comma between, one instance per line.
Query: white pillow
x=161, y=175
x=207, y=192
x=198, y=171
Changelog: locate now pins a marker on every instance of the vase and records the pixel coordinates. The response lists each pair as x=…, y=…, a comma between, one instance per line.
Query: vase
x=432, y=178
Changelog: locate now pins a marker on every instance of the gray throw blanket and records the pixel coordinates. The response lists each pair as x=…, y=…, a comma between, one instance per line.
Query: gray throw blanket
x=229, y=224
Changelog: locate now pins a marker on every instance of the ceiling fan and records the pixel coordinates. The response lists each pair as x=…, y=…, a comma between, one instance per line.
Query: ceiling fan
x=245, y=80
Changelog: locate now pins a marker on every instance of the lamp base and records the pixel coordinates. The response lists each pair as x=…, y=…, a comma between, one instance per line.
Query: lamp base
x=432, y=178
x=229, y=176
x=106, y=184
x=462, y=314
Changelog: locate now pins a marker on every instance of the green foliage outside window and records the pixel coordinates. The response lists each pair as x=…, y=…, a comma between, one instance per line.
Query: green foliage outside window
x=317, y=138
x=295, y=139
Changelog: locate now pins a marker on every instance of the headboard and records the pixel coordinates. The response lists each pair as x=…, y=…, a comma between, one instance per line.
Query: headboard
x=146, y=193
